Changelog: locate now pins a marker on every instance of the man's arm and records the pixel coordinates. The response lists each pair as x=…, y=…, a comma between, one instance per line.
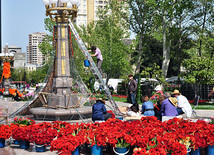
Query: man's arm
x=135, y=85
x=94, y=55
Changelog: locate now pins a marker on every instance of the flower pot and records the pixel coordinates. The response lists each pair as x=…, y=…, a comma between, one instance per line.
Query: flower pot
x=96, y=150
x=40, y=148
x=188, y=151
x=210, y=150
x=87, y=148
x=119, y=117
x=121, y=150
x=16, y=142
x=76, y=151
x=65, y=153
x=24, y=144
x=195, y=152
x=2, y=142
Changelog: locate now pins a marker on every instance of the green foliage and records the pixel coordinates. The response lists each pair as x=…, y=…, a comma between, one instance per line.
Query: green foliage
x=154, y=72
x=138, y=92
x=46, y=46
x=198, y=70
x=39, y=75
x=91, y=84
x=108, y=34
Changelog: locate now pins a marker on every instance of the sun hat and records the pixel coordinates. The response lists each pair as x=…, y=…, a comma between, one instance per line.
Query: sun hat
x=173, y=100
x=100, y=99
x=176, y=92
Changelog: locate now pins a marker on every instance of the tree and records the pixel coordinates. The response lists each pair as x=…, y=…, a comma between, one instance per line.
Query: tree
x=107, y=34
x=141, y=22
x=198, y=70
x=202, y=20
x=46, y=47
x=154, y=72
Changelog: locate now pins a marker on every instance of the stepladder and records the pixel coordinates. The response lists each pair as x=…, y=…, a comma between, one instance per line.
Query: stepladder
x=94, y=69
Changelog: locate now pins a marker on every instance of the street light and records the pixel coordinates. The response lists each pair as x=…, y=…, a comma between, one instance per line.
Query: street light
x=61, y=10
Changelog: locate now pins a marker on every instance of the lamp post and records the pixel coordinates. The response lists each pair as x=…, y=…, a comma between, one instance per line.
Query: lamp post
x=60, y=11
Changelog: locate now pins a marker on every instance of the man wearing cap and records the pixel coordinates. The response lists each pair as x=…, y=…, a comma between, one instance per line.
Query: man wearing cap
x=183, y=104
x=132, y=88
x=99, y=112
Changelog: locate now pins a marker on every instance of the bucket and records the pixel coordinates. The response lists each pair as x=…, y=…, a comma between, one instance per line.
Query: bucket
x=120, y=150
x=16, y=142
x=24, y=144
x=210, y=150
x=195, y=152
x=76, y=151
x=188, y=151
x=86, y=63
x=119, y=117
x=96, y=150
x=40, y=148
x=2, y=142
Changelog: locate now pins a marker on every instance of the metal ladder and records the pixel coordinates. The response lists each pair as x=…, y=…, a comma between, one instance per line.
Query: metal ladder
x=94, y=68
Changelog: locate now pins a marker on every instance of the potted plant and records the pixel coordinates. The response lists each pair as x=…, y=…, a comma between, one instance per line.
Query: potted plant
x=69, y=138
x=41, y=135
x=22, y=133
x=5, y=133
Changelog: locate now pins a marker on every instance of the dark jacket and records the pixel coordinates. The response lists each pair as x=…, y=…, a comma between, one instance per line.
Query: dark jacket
x=98, y=110
x=132, y=86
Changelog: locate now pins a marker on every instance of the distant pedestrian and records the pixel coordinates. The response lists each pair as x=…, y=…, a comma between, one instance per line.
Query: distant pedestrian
x=132, y=88
x=97, y=53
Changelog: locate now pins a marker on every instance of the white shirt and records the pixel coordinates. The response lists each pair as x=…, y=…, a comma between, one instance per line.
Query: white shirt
x=183, y=103
x=132, y=113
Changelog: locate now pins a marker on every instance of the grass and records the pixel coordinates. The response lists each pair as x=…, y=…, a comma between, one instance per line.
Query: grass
x=120, y=99
x=201, y=106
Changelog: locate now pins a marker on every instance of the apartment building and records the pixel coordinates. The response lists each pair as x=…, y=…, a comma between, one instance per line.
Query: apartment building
x=87, y=11
x=34, y=56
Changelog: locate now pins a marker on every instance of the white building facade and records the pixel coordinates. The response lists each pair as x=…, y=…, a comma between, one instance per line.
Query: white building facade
x=34, y=56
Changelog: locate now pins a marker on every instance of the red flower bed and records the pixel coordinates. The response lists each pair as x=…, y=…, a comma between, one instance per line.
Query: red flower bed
x=5, y=131
x=69, y=138
x=21, y=133
x=42, y=133
x=200, y=101
x=120, y=96
x=149, y=135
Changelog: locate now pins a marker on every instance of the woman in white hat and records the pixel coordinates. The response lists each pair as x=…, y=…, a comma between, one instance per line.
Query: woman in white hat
x=183, y=104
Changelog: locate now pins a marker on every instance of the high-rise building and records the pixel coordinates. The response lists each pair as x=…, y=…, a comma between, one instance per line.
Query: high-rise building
x=34, y=56
x=87, y=11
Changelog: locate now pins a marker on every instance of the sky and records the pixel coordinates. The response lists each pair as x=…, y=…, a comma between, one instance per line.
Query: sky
x=19, y=19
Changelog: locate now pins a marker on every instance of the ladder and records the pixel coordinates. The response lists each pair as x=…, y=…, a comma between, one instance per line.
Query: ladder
x=94, y=68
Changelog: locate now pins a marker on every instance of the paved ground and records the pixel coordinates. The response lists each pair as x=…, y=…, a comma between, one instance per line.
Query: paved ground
x=12, y=149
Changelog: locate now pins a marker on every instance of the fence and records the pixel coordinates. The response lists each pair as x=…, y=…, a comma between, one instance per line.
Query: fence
x=185, y=89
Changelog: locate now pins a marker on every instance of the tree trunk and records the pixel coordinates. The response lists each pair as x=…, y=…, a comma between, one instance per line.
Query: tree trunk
x=137, y=70
x=203, y=26
x=166, y=50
